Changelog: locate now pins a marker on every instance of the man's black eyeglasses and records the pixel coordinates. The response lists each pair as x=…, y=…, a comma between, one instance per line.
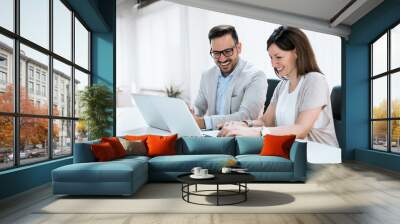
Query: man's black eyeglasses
x=226, y=52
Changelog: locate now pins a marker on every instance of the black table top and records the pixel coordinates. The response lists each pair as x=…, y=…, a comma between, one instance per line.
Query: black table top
x=220, y=178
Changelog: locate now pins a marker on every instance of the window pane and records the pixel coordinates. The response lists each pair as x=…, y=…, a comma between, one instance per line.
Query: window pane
x=35, y=21
x=62, y=89
x=395, y=94
x=379, y=98
x=62, y=138
x=395, y=47
x=81, y=81
x=33, y=139
x=6, y=142
x=395, y=138
x=34, y=81
x=7, y=14
x=81, y=45
x=62, y=29
x=379, y=55
x=81, y=131
x=6, y=74
x=379, y=135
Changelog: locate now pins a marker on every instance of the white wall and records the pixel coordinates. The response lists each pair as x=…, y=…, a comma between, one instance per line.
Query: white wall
x=167, y=43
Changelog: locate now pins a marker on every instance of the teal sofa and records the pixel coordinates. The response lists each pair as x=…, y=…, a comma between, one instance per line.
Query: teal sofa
x=125, y=176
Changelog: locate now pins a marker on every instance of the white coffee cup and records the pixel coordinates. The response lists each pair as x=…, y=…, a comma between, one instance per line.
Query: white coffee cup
x=226, y=170
x=203, y=172
x=196, y=170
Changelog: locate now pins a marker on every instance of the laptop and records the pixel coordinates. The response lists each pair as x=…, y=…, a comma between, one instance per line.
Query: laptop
x=170, y=114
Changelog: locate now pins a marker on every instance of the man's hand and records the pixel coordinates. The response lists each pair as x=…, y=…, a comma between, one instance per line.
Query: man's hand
x=230, y=123
x=200, y=122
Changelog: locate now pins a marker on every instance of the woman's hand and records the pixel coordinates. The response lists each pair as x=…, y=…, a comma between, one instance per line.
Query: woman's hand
x=238, y=130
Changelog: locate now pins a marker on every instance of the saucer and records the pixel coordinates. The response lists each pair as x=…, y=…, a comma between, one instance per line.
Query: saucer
x=208, y=176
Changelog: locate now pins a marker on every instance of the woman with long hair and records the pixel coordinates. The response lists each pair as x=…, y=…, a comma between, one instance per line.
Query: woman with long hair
x=301, y=103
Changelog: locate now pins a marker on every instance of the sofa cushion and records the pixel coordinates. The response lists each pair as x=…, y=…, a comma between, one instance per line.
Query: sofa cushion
x=103, y=152
x=161, y=145
x=112, y=171
x=248, y=145
x=83, y=152
x=185, y=163
x=257, y=163
x=134, y=147
x=277, y=145
x=116, y=145
x=206, y=145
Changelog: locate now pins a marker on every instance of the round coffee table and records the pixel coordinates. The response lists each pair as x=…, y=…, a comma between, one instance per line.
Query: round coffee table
x=238, y=179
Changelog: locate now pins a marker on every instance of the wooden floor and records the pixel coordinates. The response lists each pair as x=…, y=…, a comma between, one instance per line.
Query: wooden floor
x=377, y=188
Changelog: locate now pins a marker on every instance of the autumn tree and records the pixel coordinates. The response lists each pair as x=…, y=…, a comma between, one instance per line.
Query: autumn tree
x=380, y=127
x=33, y=131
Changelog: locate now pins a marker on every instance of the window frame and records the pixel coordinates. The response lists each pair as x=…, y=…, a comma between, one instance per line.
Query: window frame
x=388, y=74
x=15, y=72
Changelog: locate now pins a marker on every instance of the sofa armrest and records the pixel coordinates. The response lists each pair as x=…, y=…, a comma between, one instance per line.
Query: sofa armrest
x=83, y=152
x=298, y=155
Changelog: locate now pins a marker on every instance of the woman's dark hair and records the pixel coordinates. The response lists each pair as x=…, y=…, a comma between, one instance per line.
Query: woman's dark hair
x=222, y=30
x=290, y=38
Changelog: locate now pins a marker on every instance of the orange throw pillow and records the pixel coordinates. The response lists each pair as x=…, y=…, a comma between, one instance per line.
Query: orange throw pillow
x=136, y=137
x=116, y=145
x=103, y=152
x=161, y=145
x=277, y=145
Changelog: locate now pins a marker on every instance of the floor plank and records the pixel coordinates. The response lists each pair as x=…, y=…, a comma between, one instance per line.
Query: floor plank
x=376, y=189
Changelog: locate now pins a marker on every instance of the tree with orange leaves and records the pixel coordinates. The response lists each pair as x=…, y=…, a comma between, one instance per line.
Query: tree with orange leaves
x=33, y=130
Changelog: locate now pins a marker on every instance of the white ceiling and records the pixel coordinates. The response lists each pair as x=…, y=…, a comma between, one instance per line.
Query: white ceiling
x=317, y=15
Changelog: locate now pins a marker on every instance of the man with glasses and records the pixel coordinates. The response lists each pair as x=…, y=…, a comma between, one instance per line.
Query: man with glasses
x=233, y=90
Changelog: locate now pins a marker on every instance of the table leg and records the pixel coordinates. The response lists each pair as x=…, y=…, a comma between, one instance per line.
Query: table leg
x=245, y=191
x=217, y=194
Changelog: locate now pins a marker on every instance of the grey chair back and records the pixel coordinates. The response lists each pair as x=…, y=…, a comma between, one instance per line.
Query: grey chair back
x=336, y=102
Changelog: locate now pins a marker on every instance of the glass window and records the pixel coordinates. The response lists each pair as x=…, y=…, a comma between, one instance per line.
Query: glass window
x=34, y=80
x=35, y=21
x=7, y=14
x=43, y=90
x=81, y=45
x=385, y=125
x=6, y=142
x=395, y=95
x=395, y=136
x=379, y=98
x=40, y=62
x=6, y=74
x=81, y=81
x=81, y=131
x=62, y=138
x=30, y=87
x=33, y=139
x=3, y=60
x=379, y=135
x=30, y=72
x=62, y=29
x=62, y=75
x=37, y=89
x=379, y=55
x=395, y=47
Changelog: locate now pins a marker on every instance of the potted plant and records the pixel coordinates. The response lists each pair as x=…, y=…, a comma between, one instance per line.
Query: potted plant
x=173, y=91
x=96, y=102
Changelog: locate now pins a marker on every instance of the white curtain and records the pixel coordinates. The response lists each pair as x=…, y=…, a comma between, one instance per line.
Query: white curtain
x=166, y=44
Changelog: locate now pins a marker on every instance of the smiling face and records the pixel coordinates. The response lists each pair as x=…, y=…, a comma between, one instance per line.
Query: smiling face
x=283, y=62
x=226, y=63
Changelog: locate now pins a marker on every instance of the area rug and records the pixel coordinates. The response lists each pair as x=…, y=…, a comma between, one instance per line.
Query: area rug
x=167, y=198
